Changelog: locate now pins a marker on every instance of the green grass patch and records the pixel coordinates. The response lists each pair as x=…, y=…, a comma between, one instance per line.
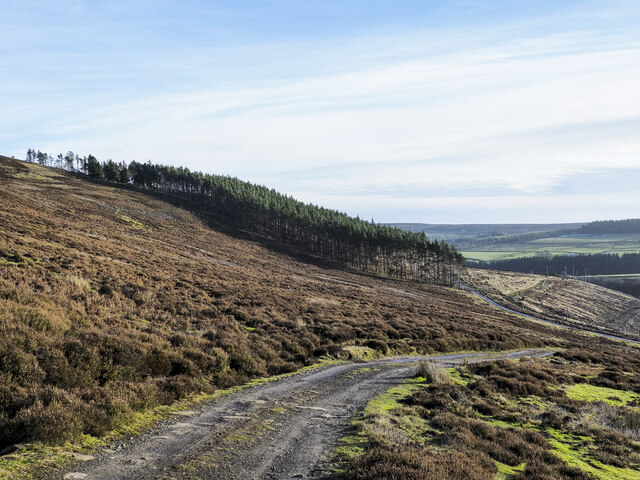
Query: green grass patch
x=133, y=222
x=507, y=472
x=458, y=377
x=590, y=393
x=391, y=398
x=489, y=256
x=350, y=446
x=577, y=457
x=565, y=245
x=534, y=400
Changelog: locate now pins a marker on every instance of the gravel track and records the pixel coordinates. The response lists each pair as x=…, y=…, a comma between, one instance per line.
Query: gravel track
x=280, y=430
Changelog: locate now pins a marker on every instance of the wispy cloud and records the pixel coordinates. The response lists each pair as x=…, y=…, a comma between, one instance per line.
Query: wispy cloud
x=372, y=124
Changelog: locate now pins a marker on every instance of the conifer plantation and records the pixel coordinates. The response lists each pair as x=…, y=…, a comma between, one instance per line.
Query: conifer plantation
x=366, y=246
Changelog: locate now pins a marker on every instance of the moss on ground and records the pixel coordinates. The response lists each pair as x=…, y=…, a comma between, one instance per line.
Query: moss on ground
x=519, y=415
x=350, y=446
x=507, y=472
x=590, y=393
x=578, y=457
x=458, y=377
x=133, y=222
x=391, y=398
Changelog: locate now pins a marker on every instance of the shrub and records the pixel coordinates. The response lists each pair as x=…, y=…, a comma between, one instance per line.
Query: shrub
x=409, y=463
x=433, y=373
x=379, y=345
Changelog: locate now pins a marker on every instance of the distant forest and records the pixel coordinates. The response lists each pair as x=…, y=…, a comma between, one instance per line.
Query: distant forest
x=631, y=225
x=364, y=245
x=593, y=264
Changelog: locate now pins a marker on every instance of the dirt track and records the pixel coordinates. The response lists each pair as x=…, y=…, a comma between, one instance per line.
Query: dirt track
x=280, y=430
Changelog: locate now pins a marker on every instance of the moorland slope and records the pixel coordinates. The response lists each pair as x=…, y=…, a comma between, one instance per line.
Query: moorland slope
x=569, y=301
x=114, y=301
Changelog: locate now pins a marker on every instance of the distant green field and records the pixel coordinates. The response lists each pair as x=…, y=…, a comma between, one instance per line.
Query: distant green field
x=564, y=245
x=622, y=276
x=470, y=231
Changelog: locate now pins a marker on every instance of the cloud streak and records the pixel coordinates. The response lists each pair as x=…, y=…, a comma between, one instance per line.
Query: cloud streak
x=511, y=116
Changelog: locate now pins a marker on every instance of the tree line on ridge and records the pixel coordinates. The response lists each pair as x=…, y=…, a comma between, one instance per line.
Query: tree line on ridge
x=361, y=244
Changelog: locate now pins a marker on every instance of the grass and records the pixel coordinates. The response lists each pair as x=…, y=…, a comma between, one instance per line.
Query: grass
x=350, y=446
x=392, y=397
x=133, y=222
x=578, y=458
x=376, y=411
x=565, y=245
x=507, y=472
x=490, y=255
x=457, y=376
x=590, y=393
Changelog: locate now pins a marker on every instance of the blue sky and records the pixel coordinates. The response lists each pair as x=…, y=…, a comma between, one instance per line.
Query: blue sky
x=407, y=111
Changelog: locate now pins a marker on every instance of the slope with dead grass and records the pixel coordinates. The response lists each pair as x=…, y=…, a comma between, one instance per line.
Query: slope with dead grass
x=564, y=300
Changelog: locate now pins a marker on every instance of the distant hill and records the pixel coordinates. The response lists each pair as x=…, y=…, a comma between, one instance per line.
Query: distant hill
x=453, y=232
x=631, y=225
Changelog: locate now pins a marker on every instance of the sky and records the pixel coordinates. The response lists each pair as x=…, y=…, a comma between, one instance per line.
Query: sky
x=447, y=111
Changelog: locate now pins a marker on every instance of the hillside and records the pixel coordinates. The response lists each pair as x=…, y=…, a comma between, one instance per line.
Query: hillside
x=115, y=294
x=115, y=300
x=564, y=300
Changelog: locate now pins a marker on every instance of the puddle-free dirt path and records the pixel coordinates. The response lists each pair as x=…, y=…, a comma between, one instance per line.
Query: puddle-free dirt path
x=280, y=430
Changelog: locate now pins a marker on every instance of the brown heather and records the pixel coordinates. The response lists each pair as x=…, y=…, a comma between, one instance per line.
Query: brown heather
x=504, y=414
x=114, y=300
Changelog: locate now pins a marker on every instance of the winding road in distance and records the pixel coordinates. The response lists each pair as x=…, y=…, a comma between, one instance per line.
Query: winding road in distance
x=548, y=322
